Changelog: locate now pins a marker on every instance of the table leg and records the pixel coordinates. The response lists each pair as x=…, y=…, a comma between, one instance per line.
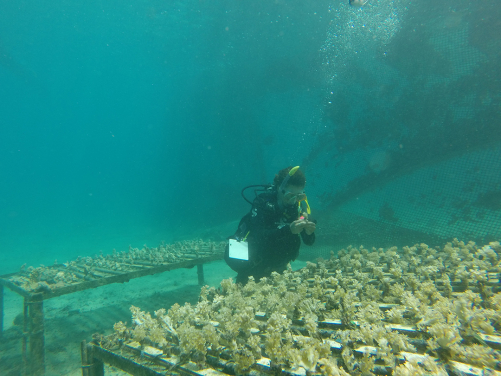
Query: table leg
x=24, y=346
x=37, y=335
x=90, y=366
x=200, y=272
x=1, y=311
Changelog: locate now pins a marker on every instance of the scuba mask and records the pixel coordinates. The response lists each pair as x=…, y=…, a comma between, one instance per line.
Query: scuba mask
x=297, y=197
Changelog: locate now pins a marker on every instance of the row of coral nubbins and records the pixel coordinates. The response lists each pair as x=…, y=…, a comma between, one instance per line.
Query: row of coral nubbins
x=360, y=312
x=48, y=278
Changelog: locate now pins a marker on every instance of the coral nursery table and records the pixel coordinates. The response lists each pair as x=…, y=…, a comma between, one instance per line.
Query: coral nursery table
x=38, y=284
x=141, y=360
x=411, y=311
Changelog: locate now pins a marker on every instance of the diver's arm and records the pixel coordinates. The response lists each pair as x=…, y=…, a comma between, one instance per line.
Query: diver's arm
x=308, y=239
x=308, y=235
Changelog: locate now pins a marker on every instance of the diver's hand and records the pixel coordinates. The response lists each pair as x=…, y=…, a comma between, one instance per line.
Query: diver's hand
x=310, y=227
x=298, y=225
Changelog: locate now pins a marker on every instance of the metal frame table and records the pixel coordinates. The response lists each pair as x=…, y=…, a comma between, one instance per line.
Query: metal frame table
x=33, y=340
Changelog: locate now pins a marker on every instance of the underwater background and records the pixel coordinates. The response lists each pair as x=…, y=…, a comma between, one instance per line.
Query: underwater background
x=130, y=122
x=135, y=122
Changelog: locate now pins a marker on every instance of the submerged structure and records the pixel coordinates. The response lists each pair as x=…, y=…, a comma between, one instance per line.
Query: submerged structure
x=410, y=311
x=36, y=285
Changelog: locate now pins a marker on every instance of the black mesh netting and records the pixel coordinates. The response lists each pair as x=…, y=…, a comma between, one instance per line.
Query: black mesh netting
x=409, y=143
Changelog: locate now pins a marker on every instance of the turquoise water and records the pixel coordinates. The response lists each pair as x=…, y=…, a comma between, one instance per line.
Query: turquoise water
x=129, y=123
x=140, y=117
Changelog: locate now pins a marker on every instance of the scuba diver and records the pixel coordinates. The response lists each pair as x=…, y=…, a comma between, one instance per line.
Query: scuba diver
x=269, y=236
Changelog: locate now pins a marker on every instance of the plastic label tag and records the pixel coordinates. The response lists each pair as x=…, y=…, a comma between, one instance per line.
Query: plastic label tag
x=238, y=250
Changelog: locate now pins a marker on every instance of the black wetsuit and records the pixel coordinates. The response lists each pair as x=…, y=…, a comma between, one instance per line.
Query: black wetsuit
x=272, y=245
